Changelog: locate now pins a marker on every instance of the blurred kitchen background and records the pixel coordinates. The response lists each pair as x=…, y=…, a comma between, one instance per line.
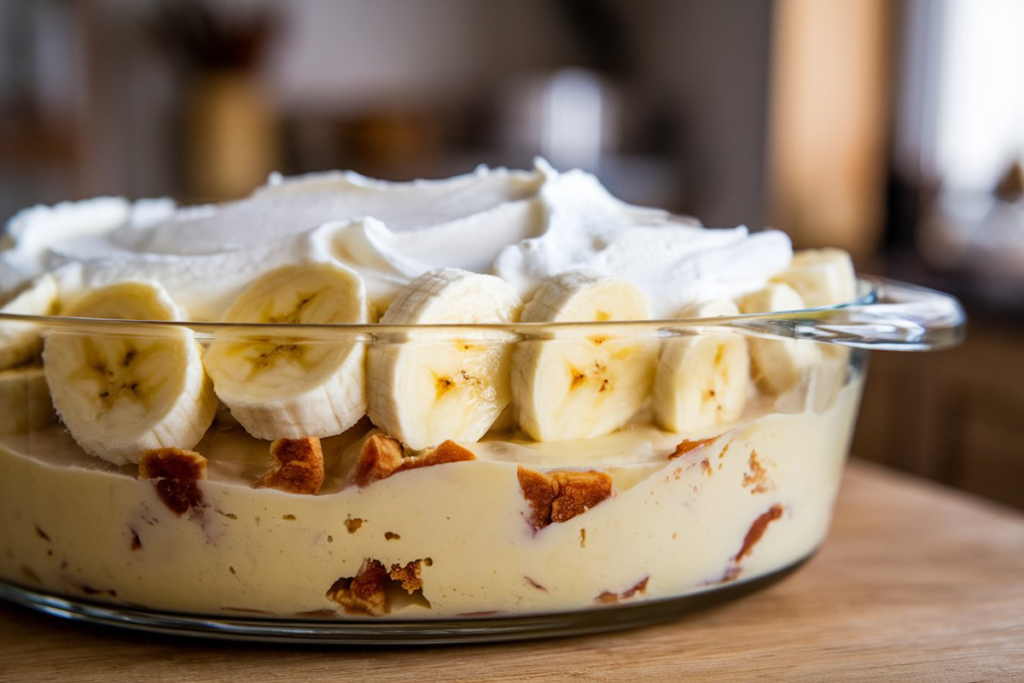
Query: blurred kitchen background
x=892, y=128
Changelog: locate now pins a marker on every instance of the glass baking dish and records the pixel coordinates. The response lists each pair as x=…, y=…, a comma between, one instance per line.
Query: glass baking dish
x=358, y=538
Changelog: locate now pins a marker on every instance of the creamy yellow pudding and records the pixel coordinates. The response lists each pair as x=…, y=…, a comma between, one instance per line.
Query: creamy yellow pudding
x=75, y=526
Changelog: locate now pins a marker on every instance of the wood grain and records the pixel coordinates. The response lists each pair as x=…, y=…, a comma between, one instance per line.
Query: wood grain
x=916, y=583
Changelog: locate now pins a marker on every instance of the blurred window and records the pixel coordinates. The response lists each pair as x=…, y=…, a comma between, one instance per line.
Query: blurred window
x=979, y=127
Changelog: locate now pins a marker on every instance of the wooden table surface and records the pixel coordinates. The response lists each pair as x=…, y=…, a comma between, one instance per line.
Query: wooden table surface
x=915, y=583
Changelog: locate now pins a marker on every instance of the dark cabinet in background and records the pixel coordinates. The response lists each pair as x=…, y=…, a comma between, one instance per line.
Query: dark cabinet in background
x=955, y=416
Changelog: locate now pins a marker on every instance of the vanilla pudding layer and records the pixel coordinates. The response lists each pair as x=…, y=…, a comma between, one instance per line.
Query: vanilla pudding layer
x=754, y=500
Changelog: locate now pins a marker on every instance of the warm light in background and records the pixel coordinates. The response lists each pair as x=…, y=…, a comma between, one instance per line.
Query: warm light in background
x=829, y=121
x=572, y=120
x=980, y=118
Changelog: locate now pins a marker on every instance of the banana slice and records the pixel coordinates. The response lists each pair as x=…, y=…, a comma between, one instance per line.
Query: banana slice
x=425, y=392
x=18, y=342
x=702, y=381
x=829, y=377
x=24, y=400
x=779, y=363
x=822, y=277
x=283, y=388
x=580, y=388
x=119, y=394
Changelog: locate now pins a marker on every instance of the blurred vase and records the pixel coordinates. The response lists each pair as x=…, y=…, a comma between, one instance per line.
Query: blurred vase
x=231, y=135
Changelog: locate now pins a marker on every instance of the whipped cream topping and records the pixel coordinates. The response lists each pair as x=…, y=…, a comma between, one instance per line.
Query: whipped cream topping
x=524, y=226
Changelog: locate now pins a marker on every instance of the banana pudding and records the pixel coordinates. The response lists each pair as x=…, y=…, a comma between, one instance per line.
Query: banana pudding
x=340, y=398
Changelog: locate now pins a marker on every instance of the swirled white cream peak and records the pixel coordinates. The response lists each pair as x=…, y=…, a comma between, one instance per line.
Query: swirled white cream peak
x=34, y=231
x=523, y=226
x=675, y=260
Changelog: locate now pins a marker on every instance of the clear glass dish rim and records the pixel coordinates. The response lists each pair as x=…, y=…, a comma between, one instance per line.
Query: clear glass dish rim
x=869, y=289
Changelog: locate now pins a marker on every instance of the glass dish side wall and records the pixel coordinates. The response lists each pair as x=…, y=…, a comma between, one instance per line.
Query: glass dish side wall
x=517, y=526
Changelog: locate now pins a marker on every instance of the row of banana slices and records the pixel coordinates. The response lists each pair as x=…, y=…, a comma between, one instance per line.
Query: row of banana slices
x=120, y=395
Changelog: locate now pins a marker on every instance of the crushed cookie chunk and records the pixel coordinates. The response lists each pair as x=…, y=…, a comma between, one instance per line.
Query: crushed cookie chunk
x=640, y=587
x=578, y=492
x=609, y=598
x=380, y=457
x=365, y=593
x=299, y=469
x=446, y=452
x=383, y=456
x=391, y=536
x=353, y=524
x=757, y=477
x=541, y=491
x=757, y=530
x=561, y=495
x=176, y=474
x=685, y=446
x=408, y=576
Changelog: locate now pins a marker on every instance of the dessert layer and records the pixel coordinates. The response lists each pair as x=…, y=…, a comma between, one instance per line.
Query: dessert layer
x=459, y=538
x=524, y=226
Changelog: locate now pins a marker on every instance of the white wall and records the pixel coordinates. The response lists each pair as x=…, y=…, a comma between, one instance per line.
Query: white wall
x=708, y=59
x=348, y=54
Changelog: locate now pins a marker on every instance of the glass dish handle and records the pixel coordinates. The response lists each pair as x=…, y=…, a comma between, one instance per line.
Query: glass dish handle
x=894, y=316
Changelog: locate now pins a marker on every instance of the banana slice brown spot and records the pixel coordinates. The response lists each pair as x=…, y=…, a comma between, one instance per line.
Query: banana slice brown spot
x=116, y=379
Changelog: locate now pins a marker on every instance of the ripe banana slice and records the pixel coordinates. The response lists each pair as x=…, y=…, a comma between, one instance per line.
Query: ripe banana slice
x=779, y=363
x=24, y=400
x=18, y=342
x=423, y=392
x=279, y=387
x=121, y=394
x=822, y=277
x=702, y=381
x=580, y=388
